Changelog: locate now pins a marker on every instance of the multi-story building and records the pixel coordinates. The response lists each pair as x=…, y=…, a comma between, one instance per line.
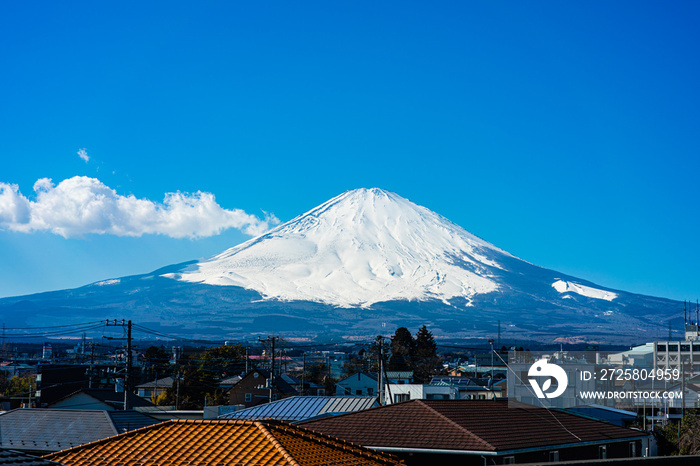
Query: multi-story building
x=680, y=355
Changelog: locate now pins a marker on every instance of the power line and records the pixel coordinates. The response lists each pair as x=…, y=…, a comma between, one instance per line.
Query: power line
x=53, y=326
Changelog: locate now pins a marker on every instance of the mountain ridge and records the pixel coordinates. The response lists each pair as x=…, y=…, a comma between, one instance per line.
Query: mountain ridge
x=362, y=263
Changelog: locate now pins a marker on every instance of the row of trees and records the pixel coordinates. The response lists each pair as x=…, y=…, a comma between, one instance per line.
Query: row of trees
x=417, y=354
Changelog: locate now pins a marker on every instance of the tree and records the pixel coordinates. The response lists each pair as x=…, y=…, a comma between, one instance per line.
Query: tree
x=355, y=363
x=403, y=349
x=17, y=385
x=689, y=441
x=427, y=363
x=155, y=362
x=200, y=376
x=222, y=361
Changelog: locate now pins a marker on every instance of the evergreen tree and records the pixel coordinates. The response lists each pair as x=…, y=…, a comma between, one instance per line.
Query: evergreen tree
x=403, y=349
x=426, y=361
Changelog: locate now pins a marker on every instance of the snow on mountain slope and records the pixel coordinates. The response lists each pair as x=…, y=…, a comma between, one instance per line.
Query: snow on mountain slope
x=359, y=248
x=569, y=287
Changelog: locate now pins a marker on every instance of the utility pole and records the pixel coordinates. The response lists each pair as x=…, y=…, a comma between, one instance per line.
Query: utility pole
x=303, y=373
x=271, y=380
x=177, y=392
x=329, y=369
x=92, y=363
x=380, y=377
x=491, y=381
x=128, y=379
x=127, y=375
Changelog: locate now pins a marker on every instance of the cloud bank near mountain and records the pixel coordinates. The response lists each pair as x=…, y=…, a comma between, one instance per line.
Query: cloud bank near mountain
x=82, y=205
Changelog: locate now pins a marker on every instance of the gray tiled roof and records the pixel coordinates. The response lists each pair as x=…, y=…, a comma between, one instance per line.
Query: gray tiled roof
x=165, y=382
x=298, y=408
x=46, y=430
x=109, y=397
x=16, y=458
x=125, y=421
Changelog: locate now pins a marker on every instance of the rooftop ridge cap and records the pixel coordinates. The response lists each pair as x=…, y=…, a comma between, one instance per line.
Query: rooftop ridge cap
x=278, y=446
x=110, y=420
x=461, y=428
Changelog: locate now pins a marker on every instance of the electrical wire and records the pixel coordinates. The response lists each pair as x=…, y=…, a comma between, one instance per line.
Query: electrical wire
x=56, y=333
x=53, y=326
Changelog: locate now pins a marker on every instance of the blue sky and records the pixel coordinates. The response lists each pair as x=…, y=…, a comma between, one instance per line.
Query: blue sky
x=563, y=132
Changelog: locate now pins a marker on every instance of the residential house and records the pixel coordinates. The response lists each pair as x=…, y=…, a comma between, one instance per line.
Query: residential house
x=300, y=408
x=399, y=377
x=55, y=381
x=41, y=430
x=444, y=389
x=471, y=388
x=360, y=384
x=304, y=387
x=152, y=390
x=619, y=417
x=228, y=383
x=254, y=389
x=98, y=398
x=478, y=432
x=223, y=443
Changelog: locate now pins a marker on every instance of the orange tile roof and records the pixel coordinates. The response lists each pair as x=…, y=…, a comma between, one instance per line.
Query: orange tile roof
x=220, y=443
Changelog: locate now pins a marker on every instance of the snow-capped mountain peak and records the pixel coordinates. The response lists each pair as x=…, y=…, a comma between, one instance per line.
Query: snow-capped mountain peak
x=361, y=247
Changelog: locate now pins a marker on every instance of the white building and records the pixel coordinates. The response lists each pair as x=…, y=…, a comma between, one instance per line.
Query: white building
x=681, y=355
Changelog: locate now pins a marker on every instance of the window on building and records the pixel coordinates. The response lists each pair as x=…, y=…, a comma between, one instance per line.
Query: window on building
x=248, y=397
x=673, y=347
x=321, y=392
x=370, y=391
x=554, y=456
x=633, y=450
x=658, y=348
x=602, y=452
x=358, y=391
x=482, y=397
x=696, y=348
x=399, y=397
x=509, y=460
x=685, y=348
x=348, y=391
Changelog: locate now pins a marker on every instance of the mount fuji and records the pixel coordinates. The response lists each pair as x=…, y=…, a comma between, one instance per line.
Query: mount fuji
x=362, y=263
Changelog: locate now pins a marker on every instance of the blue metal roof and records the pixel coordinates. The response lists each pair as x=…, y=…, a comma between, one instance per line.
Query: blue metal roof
x=297, y=408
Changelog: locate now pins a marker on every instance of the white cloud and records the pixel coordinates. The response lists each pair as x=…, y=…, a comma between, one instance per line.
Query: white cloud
x=82, y=153
x=82, y=205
